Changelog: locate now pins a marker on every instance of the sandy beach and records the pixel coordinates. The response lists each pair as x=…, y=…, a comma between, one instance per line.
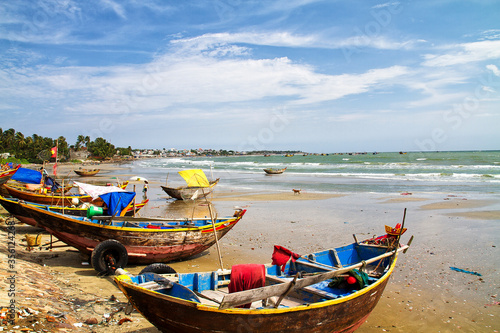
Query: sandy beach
x=55, y=290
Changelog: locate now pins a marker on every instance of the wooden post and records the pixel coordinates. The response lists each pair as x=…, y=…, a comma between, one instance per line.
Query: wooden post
x=133, y=206
x=215, y=234
x=213, y=227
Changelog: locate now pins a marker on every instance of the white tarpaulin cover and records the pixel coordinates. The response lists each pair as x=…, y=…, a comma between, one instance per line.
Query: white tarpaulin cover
x=95, y=191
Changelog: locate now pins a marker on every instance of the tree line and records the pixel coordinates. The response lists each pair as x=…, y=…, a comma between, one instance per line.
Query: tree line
x=36, y=149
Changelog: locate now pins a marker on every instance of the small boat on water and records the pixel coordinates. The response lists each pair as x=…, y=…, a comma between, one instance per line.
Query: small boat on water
x=198, y=186
x=7, y=173
x=272, y=171
x=112, y=241
x=87, y=173
x=332, y=290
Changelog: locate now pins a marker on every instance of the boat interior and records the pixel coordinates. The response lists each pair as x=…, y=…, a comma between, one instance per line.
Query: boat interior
x=210, y=288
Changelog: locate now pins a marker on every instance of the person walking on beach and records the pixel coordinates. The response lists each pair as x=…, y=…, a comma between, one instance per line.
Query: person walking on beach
x=145, y=189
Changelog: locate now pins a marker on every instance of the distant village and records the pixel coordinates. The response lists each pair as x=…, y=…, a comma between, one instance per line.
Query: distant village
x=200, y=152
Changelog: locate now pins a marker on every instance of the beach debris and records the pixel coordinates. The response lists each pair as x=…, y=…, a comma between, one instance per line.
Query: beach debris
x=91, y=321
x=493, y=304
x=123, y=320
x=464, y=271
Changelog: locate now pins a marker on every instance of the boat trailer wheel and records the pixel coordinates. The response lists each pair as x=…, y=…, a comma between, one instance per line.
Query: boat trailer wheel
x=108, y=256
x=158, y=268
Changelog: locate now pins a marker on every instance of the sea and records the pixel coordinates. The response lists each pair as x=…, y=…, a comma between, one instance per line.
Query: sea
x=391, y=172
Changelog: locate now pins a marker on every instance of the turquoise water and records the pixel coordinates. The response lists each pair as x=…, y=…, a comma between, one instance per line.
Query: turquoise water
x=445, y=172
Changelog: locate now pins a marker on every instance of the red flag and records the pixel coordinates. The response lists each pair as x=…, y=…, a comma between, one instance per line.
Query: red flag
x=54, y=151
x=281, y=256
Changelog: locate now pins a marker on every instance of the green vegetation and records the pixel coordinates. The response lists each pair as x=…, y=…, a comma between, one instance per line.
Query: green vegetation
x=15, y=147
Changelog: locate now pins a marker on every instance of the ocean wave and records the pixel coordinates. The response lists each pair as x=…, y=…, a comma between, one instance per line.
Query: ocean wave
x=360, y=169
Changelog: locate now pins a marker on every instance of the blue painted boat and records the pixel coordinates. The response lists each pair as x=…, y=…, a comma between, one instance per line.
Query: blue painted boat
x=332, y=290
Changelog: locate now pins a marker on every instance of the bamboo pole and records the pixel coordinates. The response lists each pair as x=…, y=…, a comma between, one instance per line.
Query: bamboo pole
x=215, y=234
x=213, y=227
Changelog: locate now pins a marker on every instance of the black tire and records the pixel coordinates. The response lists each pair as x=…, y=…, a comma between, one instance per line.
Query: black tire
x=108, y=256
x=158, y=268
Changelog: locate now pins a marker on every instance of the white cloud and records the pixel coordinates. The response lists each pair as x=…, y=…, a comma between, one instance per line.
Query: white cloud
x=287, y=39
x=387, y=4
x=493, y=69
x=465, y=53
x=115, y=7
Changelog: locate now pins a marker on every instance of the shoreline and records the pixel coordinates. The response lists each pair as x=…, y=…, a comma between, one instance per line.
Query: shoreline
x=422, y=295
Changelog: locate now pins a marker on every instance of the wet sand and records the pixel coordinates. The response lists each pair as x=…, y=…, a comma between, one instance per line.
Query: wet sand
x=423, y=295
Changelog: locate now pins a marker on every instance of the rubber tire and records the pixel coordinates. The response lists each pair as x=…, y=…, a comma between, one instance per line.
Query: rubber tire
x=158, y=268
x=109, y=247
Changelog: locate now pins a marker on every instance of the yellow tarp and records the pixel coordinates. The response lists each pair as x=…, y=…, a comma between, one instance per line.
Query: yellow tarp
x=195, y=178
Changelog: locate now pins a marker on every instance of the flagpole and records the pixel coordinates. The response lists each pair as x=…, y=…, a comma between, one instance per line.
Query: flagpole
x=57, y=153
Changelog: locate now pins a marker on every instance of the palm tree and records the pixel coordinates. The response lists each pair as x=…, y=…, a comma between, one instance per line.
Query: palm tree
x=79, y=141
x=8, y=138
x=19, y=145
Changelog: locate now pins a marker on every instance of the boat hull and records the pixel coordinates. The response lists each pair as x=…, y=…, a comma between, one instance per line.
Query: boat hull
x=87, y=173
x=11, y=205
x=51, y=199
x=274, y=171
x=186, y=193
x=143, y=245
x=7, y=174
x=171, y=314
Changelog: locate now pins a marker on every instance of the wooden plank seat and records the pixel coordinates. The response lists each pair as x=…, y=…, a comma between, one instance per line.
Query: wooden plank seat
x=309, y=289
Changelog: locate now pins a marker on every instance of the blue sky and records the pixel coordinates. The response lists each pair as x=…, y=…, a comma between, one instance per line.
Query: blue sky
x=317, y=76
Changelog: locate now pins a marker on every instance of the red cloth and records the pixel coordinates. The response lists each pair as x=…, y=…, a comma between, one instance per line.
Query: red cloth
x=245, y=277
x=281, y=256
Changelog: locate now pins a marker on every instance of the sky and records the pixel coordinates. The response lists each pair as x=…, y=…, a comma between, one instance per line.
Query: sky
x=317, y=76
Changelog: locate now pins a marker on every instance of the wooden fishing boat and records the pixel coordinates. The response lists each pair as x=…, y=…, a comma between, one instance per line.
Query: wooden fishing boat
x=5, y=175
x=190, y=193
x=140, y=239
x=11, y=205
x=51, y=198
x=272, y=171
x=315, y=293
x=87, y=173
x=54, y=198
x=39, y=187
x=198, y=186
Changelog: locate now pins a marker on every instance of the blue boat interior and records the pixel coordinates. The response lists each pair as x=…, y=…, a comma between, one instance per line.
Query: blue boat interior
x=197, y=286
x=147, y=224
